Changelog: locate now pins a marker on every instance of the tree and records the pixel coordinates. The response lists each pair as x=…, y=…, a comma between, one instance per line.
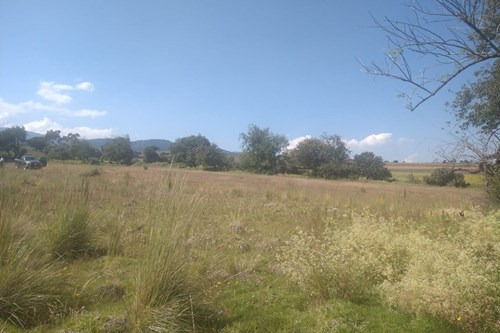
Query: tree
x=11, y=140
x=214, y=158
x=436, y=45
x=312, y=153
x=261, y=149
x=150, y=154
x=118, y=150
x=190, y=150
x=371, y=166
x=433, y=49
x=38, y=142
x=477, y=105
x=68, y=147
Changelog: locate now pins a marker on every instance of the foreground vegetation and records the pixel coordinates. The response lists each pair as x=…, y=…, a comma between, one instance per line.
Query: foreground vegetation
x=123, y=249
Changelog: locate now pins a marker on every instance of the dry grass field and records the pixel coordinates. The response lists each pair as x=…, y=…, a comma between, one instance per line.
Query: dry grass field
x=125, y=249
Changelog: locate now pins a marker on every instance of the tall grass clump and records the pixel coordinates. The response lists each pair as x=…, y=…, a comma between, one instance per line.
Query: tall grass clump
x=33, y=288
x=454, y=275
x=163, y=299
x=69, y=234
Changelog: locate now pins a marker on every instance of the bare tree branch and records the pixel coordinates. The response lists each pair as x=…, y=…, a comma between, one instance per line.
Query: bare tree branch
x=456, y=36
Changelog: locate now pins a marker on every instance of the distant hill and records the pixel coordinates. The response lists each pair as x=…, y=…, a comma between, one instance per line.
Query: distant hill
x=162, y=145
x=138, y=145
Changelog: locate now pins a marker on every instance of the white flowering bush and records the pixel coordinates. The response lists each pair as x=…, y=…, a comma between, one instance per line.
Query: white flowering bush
x=345, y=263
x=455, y=276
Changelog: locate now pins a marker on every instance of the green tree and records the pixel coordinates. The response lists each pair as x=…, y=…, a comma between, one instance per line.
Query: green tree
x=38, y=142
x=477, y=104
x=150, y=154
x=190, y=150
x=118, y=150
x=371, y=166
x=433, y=48
x=261, y=149
x=68, y=147
x=215, y=159
x=11, y=140
x=313, y=153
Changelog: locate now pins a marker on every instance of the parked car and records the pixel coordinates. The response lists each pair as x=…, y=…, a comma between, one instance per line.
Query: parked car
x=28, y=162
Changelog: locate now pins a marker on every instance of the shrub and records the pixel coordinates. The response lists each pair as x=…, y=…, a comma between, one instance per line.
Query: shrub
x=493, y=186
x=412, y=179
x=43, y=161
x=338, y=170
x=444, y=176
x=345, y=263
x=455, y=277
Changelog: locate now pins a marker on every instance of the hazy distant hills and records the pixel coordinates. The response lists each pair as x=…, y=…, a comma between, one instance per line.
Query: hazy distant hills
x=138, y=145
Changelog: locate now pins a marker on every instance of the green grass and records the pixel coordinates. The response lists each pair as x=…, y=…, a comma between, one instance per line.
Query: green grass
x=275, y=305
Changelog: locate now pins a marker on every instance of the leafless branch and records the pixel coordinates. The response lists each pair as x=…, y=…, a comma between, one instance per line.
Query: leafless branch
x=454, y=37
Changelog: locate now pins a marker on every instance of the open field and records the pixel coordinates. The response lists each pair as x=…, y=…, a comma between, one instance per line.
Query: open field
x=124, y=249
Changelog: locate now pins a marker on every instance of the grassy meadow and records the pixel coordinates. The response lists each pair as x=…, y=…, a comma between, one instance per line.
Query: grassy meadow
x=125, y=249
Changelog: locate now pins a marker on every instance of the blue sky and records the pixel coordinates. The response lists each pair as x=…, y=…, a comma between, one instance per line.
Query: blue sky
x=168, y=69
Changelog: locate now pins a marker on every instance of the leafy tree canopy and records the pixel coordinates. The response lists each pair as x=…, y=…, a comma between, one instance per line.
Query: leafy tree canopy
x=261, y=149
x=11, y=140
x=312, y=153
x=150, y=154
x=190, y=150
x=118, y=150
x=371, y=166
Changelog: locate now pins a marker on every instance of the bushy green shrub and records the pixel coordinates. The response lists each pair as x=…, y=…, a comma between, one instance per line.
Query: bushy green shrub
x=493, y=186
x=335, y=170
x=445, y=176
x=43, y=161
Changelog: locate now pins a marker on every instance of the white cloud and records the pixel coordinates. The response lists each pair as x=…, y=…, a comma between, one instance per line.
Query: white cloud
x=85, y=86
x=292, y=144
x=9, y=109
x=45, y=124
x=411, y=158
x=53, y=92
x=370, y=140
x=58, y=93
x=89, y=113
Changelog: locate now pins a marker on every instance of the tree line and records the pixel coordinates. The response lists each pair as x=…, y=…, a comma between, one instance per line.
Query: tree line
x=262, y=152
